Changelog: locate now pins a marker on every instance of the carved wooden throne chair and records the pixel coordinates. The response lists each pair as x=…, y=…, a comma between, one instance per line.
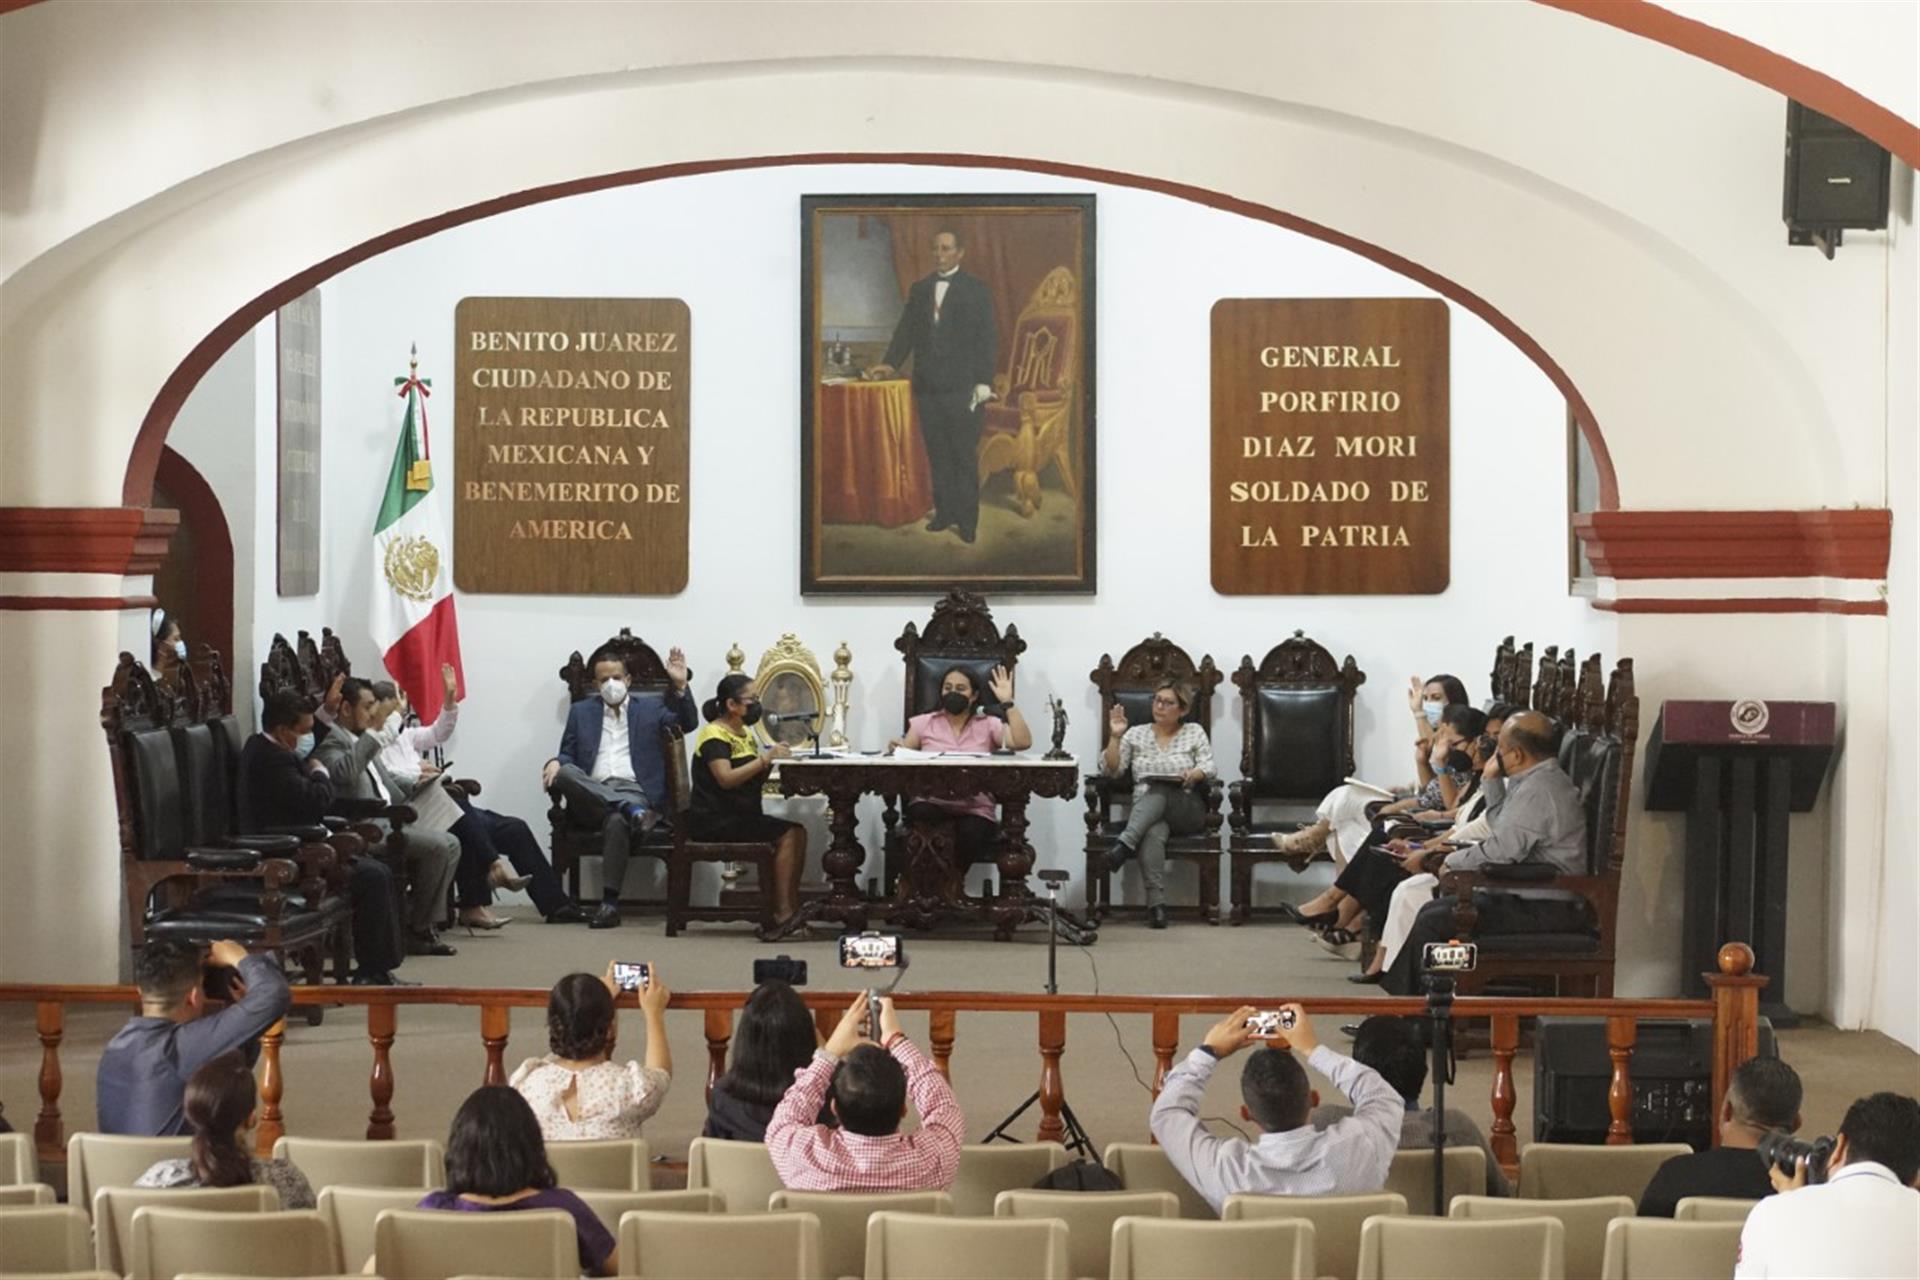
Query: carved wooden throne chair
x=1033, y=420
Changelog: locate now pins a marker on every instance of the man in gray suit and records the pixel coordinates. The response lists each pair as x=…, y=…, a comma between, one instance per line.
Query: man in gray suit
x=350, y=752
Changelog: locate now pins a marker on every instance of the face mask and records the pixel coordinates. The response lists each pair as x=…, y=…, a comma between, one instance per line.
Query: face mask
x=953, y=702
x=395, y=723
x=1500, y=764
x=304, y=747
x=1433, y=710
x=180, y=650
x=613, y=691
x=752, y=714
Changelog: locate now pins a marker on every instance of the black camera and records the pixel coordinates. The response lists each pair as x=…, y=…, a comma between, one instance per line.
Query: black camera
x=780, y=969
x=1782, y=1151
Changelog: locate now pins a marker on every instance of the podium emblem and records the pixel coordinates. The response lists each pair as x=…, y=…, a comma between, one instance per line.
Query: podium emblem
x=1749, y=716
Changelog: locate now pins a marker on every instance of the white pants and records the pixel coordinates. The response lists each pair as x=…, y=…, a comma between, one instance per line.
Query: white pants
x=1345, y=809
x=1409, y=896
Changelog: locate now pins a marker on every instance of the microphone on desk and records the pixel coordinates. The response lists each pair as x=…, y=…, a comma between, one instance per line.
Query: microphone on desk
x=787, y=717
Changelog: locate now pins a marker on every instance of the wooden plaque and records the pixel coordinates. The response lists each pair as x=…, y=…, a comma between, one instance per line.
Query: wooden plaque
x=297, y=449
x=570, y=445
x=1330, y=446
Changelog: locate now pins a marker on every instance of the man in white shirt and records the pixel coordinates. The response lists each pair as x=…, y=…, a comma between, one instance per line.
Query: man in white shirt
x=1863, y=1221
x=1292, y=1158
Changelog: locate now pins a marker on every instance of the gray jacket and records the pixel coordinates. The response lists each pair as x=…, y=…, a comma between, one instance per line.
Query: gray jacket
x=349, y=756
x=1535, y=817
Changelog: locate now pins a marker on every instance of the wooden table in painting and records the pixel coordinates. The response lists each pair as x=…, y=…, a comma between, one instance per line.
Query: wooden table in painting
x=873, y=466
x=933, y=887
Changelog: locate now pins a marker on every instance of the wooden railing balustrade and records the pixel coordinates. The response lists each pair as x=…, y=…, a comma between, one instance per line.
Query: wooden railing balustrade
x=1733, y=1007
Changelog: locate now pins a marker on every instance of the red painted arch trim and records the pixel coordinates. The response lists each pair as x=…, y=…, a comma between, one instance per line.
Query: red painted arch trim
x=73, y=604
x=1738, y=544
x=137, y=488
x=1760, y=604
x=1756, y=63
x=128, y=541
x=213, y=541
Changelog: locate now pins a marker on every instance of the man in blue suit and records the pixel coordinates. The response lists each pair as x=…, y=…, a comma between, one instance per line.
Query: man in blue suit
x=610, y=763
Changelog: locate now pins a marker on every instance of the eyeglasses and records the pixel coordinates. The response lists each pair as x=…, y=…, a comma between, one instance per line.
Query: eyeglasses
x=1166, y=702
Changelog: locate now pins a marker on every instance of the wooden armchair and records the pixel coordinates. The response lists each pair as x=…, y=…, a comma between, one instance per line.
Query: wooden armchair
x=571, y=839
x=1296, y=746
x=1032, y=420
x=1597, y=754
x=1129, y=684
x=685, y=851
x=961, y=633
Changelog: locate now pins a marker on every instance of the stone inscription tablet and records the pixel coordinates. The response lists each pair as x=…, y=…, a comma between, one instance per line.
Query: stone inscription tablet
x=297, y=464
x=1330, y=446
x=570, y=445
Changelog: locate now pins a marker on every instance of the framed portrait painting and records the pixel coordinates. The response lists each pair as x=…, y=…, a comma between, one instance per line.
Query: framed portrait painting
x=947, y=393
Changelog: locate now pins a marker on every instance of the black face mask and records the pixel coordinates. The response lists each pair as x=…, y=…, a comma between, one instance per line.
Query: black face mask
x=752, y=714
x=953, y=702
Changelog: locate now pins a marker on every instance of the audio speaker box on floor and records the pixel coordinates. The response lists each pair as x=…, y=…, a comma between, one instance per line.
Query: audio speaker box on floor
x=1836, y=180
x=1671, y=1068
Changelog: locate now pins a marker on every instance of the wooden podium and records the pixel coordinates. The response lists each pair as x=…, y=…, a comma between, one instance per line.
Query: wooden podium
x=1737, y=769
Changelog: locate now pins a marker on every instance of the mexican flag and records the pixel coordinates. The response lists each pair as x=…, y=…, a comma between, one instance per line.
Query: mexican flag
x=413, y=618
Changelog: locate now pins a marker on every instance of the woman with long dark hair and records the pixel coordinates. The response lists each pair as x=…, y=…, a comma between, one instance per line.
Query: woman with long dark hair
x=577, y=1091
x=776, y=1038
x=497, y=1163
x=221, y=1110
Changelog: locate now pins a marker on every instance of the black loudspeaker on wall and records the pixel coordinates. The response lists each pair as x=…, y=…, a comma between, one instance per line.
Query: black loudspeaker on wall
x=1672, y=1072
x=1836, y=180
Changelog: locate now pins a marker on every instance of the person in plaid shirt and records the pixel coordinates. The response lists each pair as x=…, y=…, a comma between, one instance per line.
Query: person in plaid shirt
x=870, y=1085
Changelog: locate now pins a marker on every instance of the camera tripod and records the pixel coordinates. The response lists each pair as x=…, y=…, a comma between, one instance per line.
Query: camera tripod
x=1076, y=1139
x=1440, y=1037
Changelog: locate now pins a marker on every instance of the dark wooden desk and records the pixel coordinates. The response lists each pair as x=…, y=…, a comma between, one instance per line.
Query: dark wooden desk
x=934, y=886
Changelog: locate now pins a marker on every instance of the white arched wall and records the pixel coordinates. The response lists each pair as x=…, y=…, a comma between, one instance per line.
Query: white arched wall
x=1644, y=270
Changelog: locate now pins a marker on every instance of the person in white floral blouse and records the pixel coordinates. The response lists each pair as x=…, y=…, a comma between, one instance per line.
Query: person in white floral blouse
x=1168, y=759
x=576, y=1090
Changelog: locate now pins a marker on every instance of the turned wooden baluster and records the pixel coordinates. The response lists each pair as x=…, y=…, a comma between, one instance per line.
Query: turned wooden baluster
x=1506, y=1040
x=719, y=1035
x=1621, y=1033
x=493, y=1034
x=1166, y=1043
x=380, y=1027
x=1053, y=1043
x=272, y=1088
x=49, y=1131
x=940, y=1032
x=1736, y=1019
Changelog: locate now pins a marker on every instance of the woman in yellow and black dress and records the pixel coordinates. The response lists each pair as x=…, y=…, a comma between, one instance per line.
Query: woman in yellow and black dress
x=729, y=770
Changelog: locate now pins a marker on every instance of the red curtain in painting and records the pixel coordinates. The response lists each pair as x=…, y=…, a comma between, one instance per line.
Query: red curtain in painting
x=1010, y=250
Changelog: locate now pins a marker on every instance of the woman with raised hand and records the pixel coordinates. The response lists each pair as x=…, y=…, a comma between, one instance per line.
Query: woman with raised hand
x=576, y=1090
x=1169, y=759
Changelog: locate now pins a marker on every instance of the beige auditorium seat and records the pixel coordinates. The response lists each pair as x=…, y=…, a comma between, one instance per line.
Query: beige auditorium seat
x=740, y=1171
x=1429, y=1248
x=81, y=1275
x=617, y=1164
x=1573, y=1171
x=51, y=1238
x=692, y=1246
x=1657, y=1249
x=96, y=1160
x=611, y=1206
x=908, y=1246
x=336, y=1162
x=843, y=1219
x=1089, y=1216
x=114, y=1207
x=219, y=1275
x=1712, y=1209
x=1336, y=1223
x=1142, y=1166
x=18, y=1161
x=1175, y=1249
x=26, y=1195
x=1411, y=1176
x=432, y=1244
x=166, y=1241
x=988, y=1168
x=1586, y=1222
x=351, y=1212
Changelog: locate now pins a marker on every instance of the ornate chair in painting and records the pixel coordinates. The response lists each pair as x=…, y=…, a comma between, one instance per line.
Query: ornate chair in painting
x=1129, y=685
x=962, y=634
x=1573, y=955
x=574, y=839
x=1033, y=419
x=1296, y=745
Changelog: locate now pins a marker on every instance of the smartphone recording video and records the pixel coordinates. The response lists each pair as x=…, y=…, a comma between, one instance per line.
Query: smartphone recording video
x=629, y=975
x=1269, y=1023
x=870, y=951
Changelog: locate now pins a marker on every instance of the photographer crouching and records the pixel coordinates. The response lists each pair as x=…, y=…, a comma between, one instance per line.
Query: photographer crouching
x=1847, y=1206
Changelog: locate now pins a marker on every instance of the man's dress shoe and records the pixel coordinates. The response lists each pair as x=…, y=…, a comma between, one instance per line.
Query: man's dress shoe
x=606, y=917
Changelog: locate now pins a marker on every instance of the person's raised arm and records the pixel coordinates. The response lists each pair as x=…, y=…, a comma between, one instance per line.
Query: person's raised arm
x=1175, y=1120
x=1116, y=757
x=942, y=1126
x=1019, y=737
x=264, y=1000
x=654, y=996
x=794, y=1130
x=1378, y=1108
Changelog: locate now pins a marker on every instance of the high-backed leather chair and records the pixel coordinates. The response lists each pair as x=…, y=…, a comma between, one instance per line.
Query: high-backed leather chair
x=1129, y=685
x=574, y=839
x=1296, y=725
x=1033, y=418
x=961, y=633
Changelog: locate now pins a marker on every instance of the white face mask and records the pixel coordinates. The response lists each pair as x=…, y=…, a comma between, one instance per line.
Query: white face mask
x=180, y=650
x=303, y=747
x=395, y=723
x=613, y=691
x=1433, y=710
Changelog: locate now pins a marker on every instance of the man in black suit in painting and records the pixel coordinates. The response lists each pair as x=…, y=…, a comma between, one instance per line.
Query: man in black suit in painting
x=948, y=328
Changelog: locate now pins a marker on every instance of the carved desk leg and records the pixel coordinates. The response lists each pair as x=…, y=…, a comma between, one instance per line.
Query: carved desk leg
x=1015, y=902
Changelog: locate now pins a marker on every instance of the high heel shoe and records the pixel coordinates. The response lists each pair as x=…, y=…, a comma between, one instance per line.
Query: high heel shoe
x=1309, y=839
x=485, y=920
x=498, y=877
x=1313, y=921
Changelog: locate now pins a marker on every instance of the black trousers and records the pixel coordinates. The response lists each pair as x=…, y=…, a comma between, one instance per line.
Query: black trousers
x=1370, y=877
x=1499, y=913
x=952, y=433
x=485, y=836
x=376, y=916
